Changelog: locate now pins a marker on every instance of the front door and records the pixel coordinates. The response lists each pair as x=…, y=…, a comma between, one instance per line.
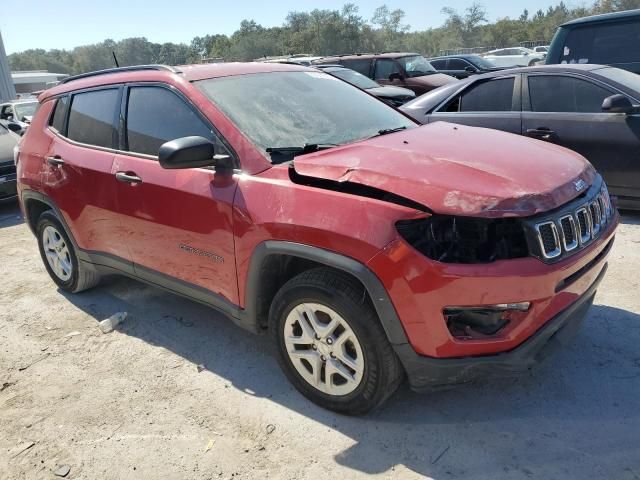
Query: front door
x=567, y=110
x=178, y=223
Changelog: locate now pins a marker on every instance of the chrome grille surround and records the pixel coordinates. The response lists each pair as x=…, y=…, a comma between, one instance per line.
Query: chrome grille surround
x=550, y=245
x=575, y=225
x=568, y=232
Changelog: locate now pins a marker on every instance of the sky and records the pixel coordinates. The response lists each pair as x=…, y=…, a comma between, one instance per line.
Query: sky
x=66, y=24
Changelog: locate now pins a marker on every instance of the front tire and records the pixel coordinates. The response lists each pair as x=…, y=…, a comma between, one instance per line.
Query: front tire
x=60, y=258
x=331, y=344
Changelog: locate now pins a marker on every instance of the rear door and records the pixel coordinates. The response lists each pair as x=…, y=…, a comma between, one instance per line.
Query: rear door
x=567, y=110
x=78, y=175
x=493, y=103
x=178, y=223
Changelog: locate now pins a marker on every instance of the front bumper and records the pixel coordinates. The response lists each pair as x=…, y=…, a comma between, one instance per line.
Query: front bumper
x=426, y=373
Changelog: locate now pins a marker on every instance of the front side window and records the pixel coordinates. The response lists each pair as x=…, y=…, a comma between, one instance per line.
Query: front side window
x=490, y=96
x=416, y=65
x=27, y=109
x=155, y=115
x=552, y=93
x=92, y=117
x=294, y=109
x=384, y=68
x=57, y=119
x=605, y=43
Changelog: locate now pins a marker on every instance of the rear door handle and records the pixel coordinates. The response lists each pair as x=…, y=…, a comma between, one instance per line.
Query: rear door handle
x=55, y=161
x=541, y=133
x=128, y=177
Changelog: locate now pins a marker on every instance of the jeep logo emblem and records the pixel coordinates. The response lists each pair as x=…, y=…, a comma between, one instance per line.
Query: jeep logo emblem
x=579, y=184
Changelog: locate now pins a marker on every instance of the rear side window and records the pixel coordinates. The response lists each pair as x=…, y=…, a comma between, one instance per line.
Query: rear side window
x=156, y=115
x=362, y=66
x=60, y=110
x=491, y=96
x=438, y=64
x=92, y=116
x=551, y=93
x=604, y=43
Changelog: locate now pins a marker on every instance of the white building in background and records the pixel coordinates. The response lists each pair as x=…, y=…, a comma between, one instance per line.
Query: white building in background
x=35, y=80
x=7, y=91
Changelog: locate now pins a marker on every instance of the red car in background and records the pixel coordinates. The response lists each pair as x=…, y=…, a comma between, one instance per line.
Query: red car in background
x=368, y=248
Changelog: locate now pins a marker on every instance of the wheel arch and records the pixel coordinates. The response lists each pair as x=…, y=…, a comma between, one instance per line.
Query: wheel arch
x=274, y=262
x=34, y=204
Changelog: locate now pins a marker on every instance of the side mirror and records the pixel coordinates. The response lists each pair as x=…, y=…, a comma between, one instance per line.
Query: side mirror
x=618, y=104
x=396, y=76
x=470, y=69
x=15, y=128
x=192, y=152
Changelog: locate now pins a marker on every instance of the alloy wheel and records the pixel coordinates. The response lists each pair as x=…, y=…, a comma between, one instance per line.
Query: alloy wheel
x=324, y=349
x=57, y=253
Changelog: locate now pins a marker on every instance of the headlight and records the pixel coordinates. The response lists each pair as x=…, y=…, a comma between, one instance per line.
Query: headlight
x=16, y=153
x=465, y=239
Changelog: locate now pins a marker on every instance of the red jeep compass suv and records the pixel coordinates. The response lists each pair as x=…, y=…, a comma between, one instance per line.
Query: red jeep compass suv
x=370, y=248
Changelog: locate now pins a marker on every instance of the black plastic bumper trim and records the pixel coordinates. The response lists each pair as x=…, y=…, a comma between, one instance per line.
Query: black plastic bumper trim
x=427, y=373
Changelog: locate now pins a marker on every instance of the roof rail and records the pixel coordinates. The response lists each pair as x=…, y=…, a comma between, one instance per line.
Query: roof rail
x=134, y=68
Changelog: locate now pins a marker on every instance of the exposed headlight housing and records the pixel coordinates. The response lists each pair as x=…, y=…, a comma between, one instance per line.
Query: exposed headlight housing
x=451, y=239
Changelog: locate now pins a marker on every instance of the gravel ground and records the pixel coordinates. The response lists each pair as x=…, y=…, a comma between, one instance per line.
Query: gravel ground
x=132, y=403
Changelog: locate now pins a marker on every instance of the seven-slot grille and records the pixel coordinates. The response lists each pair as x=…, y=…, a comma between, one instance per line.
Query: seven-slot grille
x=571, y=230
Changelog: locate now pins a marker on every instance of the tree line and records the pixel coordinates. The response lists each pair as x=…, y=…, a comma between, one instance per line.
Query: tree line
x=322, y=32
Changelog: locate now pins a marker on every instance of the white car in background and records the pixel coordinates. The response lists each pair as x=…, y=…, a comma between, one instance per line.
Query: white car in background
x=514, y=57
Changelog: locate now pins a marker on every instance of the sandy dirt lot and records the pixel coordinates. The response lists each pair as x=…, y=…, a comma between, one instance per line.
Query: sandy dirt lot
x=132, y=403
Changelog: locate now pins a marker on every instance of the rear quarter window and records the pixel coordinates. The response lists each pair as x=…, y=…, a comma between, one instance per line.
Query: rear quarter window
x=57, y=119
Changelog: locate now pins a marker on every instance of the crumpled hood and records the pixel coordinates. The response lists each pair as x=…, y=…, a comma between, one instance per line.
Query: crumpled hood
x=458, y=170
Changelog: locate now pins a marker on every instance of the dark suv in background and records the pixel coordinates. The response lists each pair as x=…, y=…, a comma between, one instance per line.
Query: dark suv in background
x=609, y=39
x=408, y=70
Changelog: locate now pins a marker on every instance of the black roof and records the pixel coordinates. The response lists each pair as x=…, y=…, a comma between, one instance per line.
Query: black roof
x=605, y=17
x=469, y=56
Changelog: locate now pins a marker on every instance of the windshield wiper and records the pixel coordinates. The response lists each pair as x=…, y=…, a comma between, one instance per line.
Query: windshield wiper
x=386, y=131
x=287, y=153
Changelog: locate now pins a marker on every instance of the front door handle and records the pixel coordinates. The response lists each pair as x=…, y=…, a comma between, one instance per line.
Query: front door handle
x=128, y=177
x=541, y=133
x=55, y=161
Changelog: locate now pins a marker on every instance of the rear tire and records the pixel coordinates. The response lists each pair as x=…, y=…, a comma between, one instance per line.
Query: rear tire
x=60, y=258
x=331, y=344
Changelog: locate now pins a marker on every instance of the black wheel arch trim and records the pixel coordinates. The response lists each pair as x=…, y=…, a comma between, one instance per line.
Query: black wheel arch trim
x=378, y=294
x=246, y=318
